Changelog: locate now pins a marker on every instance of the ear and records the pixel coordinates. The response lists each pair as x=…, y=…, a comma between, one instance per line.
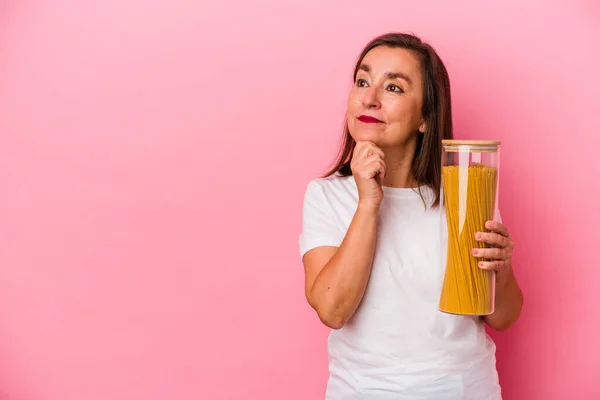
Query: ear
x=423, y=127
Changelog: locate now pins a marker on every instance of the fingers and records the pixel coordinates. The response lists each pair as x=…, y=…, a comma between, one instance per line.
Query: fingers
x=375, y=161
x=367, y=161
x=499, y=239
x=375, y=150
x=491, y=253
x=493, y=265
x=359, y=149
x=497, y=227
x=493, y=239
x=365, y=149
x=370, y=167
x=500, y=254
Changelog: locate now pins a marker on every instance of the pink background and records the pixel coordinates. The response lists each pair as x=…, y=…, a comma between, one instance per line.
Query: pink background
x=153, y=159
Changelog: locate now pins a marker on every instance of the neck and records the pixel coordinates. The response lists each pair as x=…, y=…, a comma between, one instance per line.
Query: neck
x=399, y=167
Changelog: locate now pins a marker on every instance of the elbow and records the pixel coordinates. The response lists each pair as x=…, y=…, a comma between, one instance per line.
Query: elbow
x=504, y=322
x=331, y=320
x=501, y=321
x=329, y=315
x=501, y=326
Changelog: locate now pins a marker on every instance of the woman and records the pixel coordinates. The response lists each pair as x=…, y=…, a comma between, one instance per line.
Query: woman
x=371, y=242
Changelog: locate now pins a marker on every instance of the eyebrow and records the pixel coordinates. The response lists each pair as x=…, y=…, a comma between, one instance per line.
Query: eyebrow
x=389, y=75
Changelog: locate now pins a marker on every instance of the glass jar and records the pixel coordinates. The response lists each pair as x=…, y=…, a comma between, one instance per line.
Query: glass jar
x=470, y=172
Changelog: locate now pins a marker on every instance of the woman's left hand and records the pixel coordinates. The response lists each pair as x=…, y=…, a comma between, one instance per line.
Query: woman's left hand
x=500, y=254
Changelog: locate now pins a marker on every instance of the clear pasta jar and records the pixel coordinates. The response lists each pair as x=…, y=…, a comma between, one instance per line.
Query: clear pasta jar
x=470, y=172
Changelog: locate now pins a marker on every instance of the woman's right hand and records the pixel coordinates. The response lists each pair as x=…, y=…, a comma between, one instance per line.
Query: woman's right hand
x=368, y=169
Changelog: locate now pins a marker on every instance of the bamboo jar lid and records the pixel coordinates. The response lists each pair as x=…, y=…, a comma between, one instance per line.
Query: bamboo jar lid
x=476, y=146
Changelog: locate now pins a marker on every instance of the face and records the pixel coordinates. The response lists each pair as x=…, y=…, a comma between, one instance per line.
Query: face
x=385, y=104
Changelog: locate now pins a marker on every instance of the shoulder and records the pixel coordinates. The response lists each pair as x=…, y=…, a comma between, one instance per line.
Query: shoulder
x=327, y=207
x=331, y=187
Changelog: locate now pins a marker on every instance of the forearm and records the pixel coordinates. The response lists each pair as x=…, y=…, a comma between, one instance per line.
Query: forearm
x=341, y=284
x=508, y=302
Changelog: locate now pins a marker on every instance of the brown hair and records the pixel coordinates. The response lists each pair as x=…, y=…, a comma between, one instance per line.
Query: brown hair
x=437, y=112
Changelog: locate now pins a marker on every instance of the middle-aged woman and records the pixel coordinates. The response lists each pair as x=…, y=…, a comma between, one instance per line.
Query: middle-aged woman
x=371, y=242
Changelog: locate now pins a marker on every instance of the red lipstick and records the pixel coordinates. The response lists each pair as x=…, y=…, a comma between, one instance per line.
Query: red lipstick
x=369, y=120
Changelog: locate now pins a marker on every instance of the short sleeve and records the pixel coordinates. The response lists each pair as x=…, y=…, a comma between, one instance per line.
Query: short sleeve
x=319, y=228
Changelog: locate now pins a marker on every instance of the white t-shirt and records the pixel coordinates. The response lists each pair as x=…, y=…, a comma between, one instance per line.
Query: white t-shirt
x=398, y=346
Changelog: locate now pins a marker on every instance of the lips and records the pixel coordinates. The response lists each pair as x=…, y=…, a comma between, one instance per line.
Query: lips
x=369, y=120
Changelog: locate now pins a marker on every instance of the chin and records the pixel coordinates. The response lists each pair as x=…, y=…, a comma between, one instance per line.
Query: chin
x=366, y=134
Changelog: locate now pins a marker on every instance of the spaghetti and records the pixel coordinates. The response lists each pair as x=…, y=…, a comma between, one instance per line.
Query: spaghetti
x=469, y=196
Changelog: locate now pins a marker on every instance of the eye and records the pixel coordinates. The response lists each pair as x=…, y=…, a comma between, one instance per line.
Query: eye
x=395, y=88
x=361, y=83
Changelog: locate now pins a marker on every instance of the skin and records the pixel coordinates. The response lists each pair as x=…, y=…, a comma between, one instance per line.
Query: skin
x=388, y=87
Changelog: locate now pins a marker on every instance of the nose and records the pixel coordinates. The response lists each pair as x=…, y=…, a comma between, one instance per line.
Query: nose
x=371, y=98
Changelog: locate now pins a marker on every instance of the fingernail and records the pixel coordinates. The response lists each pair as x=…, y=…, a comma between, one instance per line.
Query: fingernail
x=478, y=236
x=489, y=224
x=474, y=251
x=481, y=264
